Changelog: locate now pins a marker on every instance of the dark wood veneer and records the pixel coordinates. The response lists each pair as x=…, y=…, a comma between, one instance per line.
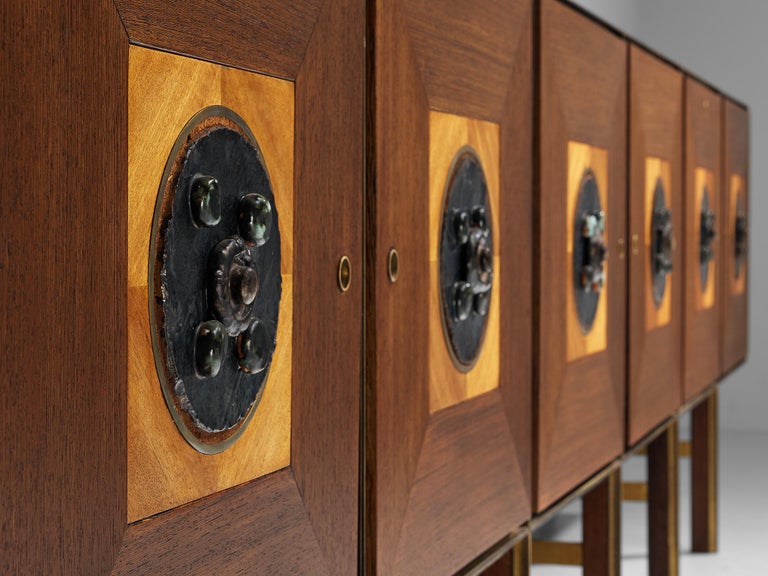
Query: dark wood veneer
x=701, y=359
x=655, y=354
x=417, y=464
x=580, y=405
x=735, y=309
x=63, y=280
x=268, y=36
x=63, y=274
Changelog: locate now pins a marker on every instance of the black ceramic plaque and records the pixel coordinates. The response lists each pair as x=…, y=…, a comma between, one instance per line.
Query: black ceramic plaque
x=588, y=251
x=740, y=237
x=466, y=259
x=706, y=238
x=215, y=282
x=661, y=243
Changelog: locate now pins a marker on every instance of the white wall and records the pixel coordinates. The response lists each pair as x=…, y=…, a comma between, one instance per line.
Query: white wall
x=726, y=43
x=623, y=14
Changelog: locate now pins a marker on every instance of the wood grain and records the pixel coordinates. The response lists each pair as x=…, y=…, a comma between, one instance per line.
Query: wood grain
x=702, y=163
x=165, y=91
x=735, y=309
x=663, y=463
x=654, y=380
x=248, y=535
x=459, y=47
x=704, y=433
x=63, y=88
x=463, y=488
x=302, y=520
x=403, y=442
x=447, y=135
x=64, y=464
x=328, y=332
x=580, y=404
x=269, y=36
x=602, y=527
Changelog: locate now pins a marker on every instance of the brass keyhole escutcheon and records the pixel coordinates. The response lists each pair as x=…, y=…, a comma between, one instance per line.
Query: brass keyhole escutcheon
x=393, y=265
x=214, y=279
x=344, y=274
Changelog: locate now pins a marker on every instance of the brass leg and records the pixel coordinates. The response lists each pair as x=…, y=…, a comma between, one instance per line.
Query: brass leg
x=521, y=557
x=704, y=475
x=663, y=503
x=602, y=528
x=553, y=552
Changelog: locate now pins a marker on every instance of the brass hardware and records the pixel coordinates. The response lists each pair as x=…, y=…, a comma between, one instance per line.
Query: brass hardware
x=621, y=248
x=560, y=553
x=344, y=274
x=393, y=265
x=705, y=104
x=635, y=244
x=634, y=491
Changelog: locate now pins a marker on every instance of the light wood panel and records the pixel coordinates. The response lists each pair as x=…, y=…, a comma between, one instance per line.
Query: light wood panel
x=448, y=133
x=165, y=91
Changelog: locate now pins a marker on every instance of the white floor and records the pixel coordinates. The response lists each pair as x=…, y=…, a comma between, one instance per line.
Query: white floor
x=743, y=516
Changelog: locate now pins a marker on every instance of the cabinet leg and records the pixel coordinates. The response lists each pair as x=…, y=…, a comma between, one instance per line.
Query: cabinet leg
x=521, y=557
x=602, y=528
x=704, y=475
x=663, y=503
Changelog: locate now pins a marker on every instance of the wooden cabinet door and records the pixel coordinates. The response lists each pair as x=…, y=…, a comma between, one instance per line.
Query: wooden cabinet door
x=735, y=210
x=702, y=261
x=448, y=448
x=97, y=477
x=582, y=154
x=656, y=238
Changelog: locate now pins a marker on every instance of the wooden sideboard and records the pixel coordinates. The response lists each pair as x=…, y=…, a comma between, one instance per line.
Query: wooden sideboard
x=375, y=448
